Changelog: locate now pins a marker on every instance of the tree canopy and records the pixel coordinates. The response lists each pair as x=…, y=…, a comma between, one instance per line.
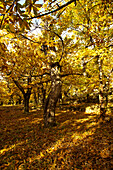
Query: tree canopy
x=56, y=84
x=75, y=36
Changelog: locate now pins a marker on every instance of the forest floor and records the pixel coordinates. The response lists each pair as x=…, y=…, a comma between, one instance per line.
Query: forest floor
x=78, y=141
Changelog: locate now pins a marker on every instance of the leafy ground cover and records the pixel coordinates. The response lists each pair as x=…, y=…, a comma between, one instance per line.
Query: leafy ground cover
x=78, y=141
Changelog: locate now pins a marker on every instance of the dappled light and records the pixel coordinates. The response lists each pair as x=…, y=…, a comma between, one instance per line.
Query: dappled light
x=93, y=109
x=10, y=147
x=36, y=120
x=77, y=141
x=56, y=85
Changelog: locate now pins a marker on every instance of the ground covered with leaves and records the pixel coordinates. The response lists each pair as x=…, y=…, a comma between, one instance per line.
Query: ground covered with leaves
x=78, y=141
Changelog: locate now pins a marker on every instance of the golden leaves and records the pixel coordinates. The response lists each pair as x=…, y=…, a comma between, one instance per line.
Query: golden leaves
x=32, y=7
x=78, y=141
x=12, y=28
x=105, y=153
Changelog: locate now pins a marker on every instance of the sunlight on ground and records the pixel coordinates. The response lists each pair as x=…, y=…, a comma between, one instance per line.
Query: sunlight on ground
x=11, y=147
x=80, y=136
x=84, y=119
x=59, y=144
x=62, y=143
x=64, y=123
x=54, y=147
x=36, y=120
x=93, y=109
x=76, y=136
x=92, y=124
x=23, y=118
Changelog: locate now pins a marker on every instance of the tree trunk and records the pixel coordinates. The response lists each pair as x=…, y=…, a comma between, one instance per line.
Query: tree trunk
x=11, y=101
x=54, y=95
x=35, y=99
x=26, y=95
x=1, y=103
x=43, y=94
x=19, y=100
x=101, y=94
x=106, y=87
x=26, y=102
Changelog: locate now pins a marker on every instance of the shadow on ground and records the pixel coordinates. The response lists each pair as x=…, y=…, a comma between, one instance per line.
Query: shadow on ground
x=77, y=142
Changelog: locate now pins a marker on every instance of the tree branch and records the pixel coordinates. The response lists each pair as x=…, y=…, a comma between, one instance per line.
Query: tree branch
x=28, y=38
x=7, y=12
x=61, y=41
x=47, y=13
x=18, y=85
x=40, y=75
x=71, y=74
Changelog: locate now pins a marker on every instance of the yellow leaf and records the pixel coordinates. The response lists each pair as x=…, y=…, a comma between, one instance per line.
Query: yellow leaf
x=12, y=28
x=41, y=154
x=1, y=5
x=38, y=5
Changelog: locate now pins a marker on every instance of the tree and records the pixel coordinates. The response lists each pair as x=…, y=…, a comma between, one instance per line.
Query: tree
x=4, y=93
x=88, y=29
x=22, y=64
x=91, y=22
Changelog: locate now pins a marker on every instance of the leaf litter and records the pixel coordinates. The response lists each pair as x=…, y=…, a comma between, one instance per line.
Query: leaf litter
x=77, y=142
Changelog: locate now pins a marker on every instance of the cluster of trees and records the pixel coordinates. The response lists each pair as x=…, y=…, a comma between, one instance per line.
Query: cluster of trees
x=70, y=53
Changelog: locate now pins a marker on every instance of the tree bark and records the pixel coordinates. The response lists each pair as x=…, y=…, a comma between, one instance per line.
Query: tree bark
x=35, y=99
x=106, y=87
x=101, y=93
x=54, y=95
x=11, y=101
x=26, y=95
x=43, y=94
x=18, y=101
x=26, y=102
x=1, y=103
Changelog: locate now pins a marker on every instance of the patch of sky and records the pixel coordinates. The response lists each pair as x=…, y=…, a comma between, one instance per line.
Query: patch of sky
x=23, y=1
x=33, y=28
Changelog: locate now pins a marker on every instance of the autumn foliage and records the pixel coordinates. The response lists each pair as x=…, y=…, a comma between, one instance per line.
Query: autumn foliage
x=56, y=84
